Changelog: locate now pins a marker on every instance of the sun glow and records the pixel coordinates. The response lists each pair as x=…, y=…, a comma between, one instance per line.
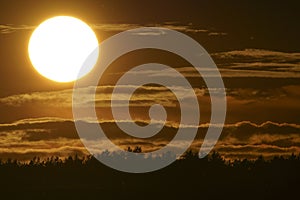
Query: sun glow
x=59, y=46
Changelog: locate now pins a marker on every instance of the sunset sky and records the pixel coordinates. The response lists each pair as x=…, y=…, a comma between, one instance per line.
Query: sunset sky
x=255, y=45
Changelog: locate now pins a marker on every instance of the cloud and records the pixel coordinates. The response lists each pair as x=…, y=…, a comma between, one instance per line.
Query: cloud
x=183, y=27
x=114, y=27
x=217, y=34
x=242, y=103
x=42, y=137
x=186, y=28
x=146, y=95
x=11, y=28
x=258, y=54
x=58, y=137
x=235, y=70
x=189, y=28
x=48, y=98
x=258, y=63
x=119, y=27
x=234, y=64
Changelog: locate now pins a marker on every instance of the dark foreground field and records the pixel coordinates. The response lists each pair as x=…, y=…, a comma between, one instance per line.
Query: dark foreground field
x=189, y=178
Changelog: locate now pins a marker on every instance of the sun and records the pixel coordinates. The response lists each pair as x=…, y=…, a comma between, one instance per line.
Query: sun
x=60, y=46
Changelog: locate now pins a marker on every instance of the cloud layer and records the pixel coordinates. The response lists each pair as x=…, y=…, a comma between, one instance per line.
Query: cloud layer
x=275, y=103
x=244, y=63
x=44, y=137
x=258, y=63
x=118, y=27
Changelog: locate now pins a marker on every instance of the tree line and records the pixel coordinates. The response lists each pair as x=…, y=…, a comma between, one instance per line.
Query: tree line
x=189, y=177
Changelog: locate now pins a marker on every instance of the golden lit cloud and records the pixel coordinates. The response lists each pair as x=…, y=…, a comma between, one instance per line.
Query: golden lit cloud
x=57, y=137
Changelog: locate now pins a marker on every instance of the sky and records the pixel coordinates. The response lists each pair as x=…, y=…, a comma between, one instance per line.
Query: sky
x=254, y=44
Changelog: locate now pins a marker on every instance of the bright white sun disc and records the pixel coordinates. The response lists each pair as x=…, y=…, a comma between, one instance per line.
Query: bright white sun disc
x=59, y=47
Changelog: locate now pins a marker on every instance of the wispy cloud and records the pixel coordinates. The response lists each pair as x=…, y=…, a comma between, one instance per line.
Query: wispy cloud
x=11, y=28
x=114, y=27
x=175, y=26
x=64, y=97
x=259, y=54
x=146, y=95
x=258, y=63
x=118, y=27
x=217, y=34
x=55, y=136
x=239, y=63
x=243, y=102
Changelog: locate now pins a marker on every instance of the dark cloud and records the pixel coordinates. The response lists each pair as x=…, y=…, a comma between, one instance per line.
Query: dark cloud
x=50, y=136
x=144, y=96
x=244, y=63
x=258, y=63
x=243, y=102
x=244, y=131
